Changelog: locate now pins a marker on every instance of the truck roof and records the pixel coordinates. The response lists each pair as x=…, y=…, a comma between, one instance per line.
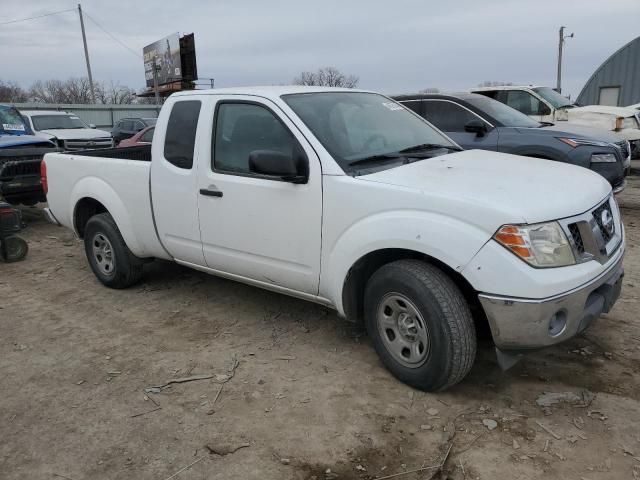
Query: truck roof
x=44, y=112
x=505, y=87
x=273, y=91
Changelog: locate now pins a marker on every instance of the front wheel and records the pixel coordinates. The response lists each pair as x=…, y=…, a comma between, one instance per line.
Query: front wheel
x=420, y=324
x=109, y=257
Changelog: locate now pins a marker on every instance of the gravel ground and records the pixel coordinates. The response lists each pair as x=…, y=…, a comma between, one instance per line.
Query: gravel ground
x=292, y=386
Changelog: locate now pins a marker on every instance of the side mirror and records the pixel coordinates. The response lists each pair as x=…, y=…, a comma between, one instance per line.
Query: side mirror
x=92, y=125
x=477, y=127
x=277, y=164
x=543, y=109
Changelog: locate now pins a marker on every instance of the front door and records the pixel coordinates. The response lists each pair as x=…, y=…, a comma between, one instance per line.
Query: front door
x=257, y=227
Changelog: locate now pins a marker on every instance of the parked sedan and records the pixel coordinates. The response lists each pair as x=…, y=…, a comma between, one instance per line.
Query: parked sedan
x=476, y=121
x=143, y=137
x=128, y=127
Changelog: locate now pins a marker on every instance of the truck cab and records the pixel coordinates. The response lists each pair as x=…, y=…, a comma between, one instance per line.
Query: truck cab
x=546, y=105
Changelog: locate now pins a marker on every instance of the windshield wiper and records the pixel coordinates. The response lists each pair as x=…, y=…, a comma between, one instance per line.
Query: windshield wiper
x=376, y=158
x=428, y=146
x=546, y=124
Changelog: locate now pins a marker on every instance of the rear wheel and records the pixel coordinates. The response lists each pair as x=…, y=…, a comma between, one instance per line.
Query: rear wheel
x=420, y=324
x=109, y=257
x=14, y=249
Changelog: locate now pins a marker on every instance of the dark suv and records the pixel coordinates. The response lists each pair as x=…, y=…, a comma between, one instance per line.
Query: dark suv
x=128, y=127
x=476, y=121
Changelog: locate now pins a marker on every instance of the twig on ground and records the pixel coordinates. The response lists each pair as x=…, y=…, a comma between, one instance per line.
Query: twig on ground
x=218, y=394
x=549, y=431
x=150, y=398
x=144, y=413
x=185, y=468
x=415, y=470
x=437, y=468
x=183, y=380
x=464, y=474
x=62, y=476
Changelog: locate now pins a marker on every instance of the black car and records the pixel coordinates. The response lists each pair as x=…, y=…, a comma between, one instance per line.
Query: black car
x=476, y=121
x=128, y=127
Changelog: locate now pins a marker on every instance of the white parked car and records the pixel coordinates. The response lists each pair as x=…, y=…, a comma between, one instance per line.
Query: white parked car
x=348, y=199
x=67, y=130
x=544, y=104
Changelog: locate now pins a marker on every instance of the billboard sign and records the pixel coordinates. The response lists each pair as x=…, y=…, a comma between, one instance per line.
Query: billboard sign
x=165, y=53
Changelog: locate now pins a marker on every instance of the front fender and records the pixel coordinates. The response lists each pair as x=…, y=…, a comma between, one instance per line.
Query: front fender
x=97, y=189
x=449, y=240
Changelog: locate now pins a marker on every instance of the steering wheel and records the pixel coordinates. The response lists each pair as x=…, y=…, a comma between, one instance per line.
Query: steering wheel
x=373, y=138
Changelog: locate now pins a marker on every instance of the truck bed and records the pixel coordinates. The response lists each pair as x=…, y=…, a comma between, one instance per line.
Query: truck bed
x=117, y=178
x=141, y=153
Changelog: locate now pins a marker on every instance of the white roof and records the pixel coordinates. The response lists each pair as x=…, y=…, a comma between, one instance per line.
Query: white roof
x=266, y=91
x=505, y=87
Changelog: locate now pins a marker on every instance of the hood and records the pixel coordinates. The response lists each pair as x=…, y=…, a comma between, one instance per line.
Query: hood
x=604, y=109
x=509, y=188
x=76, y=133
x=567, y=129
x=7, y=141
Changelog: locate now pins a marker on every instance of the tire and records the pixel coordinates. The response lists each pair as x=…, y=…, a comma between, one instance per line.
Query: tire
x=16, y=249
x=109, y=257
x=420, y=324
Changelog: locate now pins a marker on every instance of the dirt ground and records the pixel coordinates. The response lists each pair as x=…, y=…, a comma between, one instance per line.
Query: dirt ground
x=307, y=399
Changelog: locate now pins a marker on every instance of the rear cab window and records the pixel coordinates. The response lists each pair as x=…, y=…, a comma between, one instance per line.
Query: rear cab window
x=180, y=137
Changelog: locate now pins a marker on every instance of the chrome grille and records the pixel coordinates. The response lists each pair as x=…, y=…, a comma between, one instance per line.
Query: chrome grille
x=88, y=144
x=624, y=148
x=595, y=234
x=577, y=237
x=604, y=218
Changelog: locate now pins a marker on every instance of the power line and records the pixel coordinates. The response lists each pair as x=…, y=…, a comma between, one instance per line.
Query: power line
x=112, y=36
x=38, y=16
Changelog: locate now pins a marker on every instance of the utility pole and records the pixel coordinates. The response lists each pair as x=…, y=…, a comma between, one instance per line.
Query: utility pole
x=86, y=55
x=561, y=40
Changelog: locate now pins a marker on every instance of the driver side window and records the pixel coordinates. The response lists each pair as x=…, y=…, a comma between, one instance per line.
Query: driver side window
x=242, y=128
x=523, y=102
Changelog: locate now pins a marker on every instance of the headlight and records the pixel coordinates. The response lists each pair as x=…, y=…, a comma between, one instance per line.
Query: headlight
x=540, y=245
x=628, y=122
x=603, y=158
x=576, y=142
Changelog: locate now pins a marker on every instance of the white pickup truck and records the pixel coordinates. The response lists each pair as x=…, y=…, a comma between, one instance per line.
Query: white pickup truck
x=348, y=199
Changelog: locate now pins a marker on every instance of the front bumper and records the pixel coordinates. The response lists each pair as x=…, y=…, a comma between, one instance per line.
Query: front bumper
x=522, y=324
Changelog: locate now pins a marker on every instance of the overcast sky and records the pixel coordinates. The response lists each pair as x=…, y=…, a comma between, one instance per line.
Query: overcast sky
x=393, y=46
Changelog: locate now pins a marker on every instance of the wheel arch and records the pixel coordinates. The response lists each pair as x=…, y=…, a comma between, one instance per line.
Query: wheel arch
x=92, y=196
x=360, y=272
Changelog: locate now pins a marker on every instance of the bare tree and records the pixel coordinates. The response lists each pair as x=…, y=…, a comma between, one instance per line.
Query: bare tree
x=73, y=90
x=430, y=90
x=11, y=92
x=491, y=83
x=115, y=93
x=327, y=77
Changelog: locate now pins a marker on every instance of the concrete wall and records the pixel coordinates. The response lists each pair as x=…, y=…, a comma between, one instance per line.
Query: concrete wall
x=102, y=116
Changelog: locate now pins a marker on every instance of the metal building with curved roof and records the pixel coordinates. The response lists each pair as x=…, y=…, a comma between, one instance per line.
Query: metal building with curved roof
x=617, y=81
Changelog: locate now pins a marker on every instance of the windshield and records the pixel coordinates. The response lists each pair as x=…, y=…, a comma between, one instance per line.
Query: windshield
x=57, y=122
x=507, y=116
x=12, y=123
x=553, y=97
x=356, y=126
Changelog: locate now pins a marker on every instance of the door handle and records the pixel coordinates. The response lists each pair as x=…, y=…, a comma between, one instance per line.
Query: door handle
x=210, y=193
